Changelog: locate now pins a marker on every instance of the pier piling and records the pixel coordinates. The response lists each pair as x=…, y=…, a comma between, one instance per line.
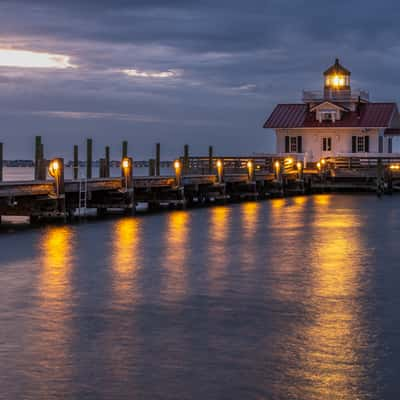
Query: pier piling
x=40, y=165
x=107, y=162
x=76, y=162
x=185, y=166
x=158, y=161
x=152, y=169
x=89, y=158
x=210, y=160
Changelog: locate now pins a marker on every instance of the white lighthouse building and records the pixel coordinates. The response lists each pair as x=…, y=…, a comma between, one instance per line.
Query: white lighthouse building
x=336, y=121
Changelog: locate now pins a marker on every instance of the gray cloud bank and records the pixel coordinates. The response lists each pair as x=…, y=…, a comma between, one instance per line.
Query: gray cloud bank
x=204, y=72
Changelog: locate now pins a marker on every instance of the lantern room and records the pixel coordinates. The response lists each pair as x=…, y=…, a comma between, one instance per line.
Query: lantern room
x=337, y=77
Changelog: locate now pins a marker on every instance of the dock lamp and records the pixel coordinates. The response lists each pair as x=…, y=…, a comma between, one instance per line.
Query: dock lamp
x=277, y=167
x=250, y=169
x=299, y=166
x=54, y=171
x=178, y=171
x=220, y=167
x=126, y=166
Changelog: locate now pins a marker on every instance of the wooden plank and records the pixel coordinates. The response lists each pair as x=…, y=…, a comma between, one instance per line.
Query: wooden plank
x=25, y=188
x=233, y=178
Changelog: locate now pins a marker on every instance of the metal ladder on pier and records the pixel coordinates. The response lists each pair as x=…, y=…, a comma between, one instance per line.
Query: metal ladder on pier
x=82, y=199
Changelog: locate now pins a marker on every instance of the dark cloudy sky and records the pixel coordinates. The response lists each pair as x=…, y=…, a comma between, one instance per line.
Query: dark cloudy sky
x=179, y=71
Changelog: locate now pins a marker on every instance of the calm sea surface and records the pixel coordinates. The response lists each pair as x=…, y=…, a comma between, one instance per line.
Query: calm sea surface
x=284, y=299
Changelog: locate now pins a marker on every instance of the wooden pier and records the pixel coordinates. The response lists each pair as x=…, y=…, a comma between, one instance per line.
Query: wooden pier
x=197, y=181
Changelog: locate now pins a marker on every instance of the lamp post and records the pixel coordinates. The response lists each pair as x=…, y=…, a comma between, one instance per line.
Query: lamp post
x=54, y=171
x=250, y=170
x=126, y=166
x=220, y=169
x=178, y=172
x=299, y=166
x=277, y=167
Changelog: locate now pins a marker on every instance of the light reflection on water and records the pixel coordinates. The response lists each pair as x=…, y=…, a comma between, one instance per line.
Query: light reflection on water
x=271, y=300
x=174, y=260
x=125, y=261
x=50, y=331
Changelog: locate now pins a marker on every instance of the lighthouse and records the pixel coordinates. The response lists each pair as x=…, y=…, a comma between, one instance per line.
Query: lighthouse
x=335, y=121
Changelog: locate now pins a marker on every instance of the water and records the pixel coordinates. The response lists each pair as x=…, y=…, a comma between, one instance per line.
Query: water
x=285, y=299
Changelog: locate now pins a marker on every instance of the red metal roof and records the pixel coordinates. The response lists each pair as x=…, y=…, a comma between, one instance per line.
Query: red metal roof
x=371, y=115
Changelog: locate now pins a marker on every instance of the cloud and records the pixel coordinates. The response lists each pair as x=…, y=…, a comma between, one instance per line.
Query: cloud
x=33, y=59
x=151, y=74
x=185, y=71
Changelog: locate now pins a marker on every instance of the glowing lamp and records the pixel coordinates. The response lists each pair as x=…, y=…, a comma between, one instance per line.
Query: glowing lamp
x=177, y=164
x=299, y=166
x=319, y=165
x=323, y=161
x=219, y=164
x=249, y=164
x=125, y=163
x=54, y=168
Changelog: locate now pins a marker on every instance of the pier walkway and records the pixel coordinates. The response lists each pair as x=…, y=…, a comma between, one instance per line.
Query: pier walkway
x=197, y=181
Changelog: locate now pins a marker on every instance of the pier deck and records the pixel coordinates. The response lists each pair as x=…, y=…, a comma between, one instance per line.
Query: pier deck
x=197, y=181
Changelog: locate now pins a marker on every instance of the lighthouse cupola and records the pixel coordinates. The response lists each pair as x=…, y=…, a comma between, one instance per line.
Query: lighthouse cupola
x=337, y=77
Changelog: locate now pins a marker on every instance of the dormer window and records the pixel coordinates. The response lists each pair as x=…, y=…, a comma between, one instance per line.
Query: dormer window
x=328, y=112
x=326, y=115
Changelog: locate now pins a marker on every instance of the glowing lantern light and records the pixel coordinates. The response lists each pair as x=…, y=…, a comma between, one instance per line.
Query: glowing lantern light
x=125, y=163
x=54, y=168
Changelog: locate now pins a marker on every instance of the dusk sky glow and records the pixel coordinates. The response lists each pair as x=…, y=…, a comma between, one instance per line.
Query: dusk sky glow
x=179, y=71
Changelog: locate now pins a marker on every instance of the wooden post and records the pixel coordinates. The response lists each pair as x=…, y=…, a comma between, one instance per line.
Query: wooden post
x=61, y=188
x=59, y=184
x=158, y=161
x=107, y=162
x=89, y=158
x=220, y=170
x=1, y=162
x=42, y=166
x=102, y=168
x=127, y=173
x=152, y=169
x=210, y=160
x=186, y=159
x=38, y=149
x=76, y=162
x=124, y=149
x=124, y=152
x=178, y=172
x=379, y=178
